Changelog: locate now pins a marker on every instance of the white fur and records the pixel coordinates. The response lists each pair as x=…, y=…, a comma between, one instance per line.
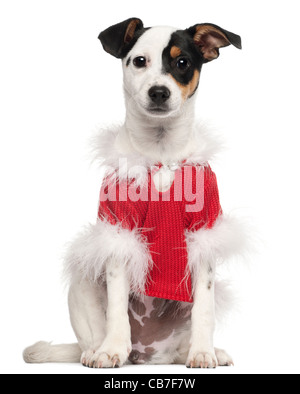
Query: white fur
x=137, y=82
x=224, y=240
x=45, y=352
x=165, y=137
x=111, y=148
x=225, y=299
x=207, y=248
x=88, y=254
x=87, y=304
x=202, y=353
x=116, y=345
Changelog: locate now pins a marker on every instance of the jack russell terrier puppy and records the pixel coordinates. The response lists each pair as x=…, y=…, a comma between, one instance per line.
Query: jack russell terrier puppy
x=142, y=278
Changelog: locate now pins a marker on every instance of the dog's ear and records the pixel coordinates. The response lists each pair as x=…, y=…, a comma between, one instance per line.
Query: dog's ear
x=118, y=39
x=209, y=38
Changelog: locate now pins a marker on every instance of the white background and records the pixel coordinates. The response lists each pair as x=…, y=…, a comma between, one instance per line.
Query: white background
x=57, y=85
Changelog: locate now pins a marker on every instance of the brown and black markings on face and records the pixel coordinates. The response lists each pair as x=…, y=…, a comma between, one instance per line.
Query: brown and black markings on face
x=183, y=61
x=189, y=49
x=119, y=39
x=184, y=55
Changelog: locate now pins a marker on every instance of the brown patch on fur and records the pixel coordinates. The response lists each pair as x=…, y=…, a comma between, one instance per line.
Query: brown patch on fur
x=209, y=285
x=165, y=317
x=149, y=350
x=189, y=89
x=131, y=30
x=175, y=52
x=210, y=39
x=138, y=307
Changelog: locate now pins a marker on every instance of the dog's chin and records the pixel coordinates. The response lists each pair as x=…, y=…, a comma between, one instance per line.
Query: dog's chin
x=159, y=112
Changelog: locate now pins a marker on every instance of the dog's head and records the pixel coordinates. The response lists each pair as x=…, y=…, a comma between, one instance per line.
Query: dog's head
x=162, y=65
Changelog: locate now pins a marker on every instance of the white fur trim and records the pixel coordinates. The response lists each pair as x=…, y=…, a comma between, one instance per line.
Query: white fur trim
x=98, y=243
x=112, y=150
x=224, y=240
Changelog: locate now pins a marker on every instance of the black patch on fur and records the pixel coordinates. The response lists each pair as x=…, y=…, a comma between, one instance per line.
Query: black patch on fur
x=128, y=61
x=112, y=39
x=185, y=43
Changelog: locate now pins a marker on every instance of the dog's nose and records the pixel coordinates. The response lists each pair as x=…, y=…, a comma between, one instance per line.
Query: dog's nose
x=159, y=94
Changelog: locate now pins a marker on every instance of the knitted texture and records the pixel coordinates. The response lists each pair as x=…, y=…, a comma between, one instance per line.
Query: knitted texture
x=192, y=203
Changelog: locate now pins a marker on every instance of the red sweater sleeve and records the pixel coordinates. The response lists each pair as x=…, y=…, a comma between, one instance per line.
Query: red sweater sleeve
x=112, y=207
x=211, y=209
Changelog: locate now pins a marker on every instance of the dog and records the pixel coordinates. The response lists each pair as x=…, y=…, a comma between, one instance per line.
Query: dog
x=143, y=286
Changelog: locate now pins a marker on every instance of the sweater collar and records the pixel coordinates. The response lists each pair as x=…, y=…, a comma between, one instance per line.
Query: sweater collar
x=113, y=154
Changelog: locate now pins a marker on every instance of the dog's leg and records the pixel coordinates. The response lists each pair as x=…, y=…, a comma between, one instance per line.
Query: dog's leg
x=116, y=347
x=202, y=352
x=87, y=312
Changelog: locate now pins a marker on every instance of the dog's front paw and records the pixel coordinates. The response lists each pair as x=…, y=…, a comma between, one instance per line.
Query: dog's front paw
x=112, y=354
x=87, y=356
x=201, y=359
x=224, y=360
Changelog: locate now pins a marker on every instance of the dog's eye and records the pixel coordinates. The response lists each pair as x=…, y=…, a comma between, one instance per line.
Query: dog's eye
x=140, y=62
x=183, y=64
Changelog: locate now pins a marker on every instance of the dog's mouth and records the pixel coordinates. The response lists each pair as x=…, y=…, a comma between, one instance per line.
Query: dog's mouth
x=162, y=110
x=158, y=110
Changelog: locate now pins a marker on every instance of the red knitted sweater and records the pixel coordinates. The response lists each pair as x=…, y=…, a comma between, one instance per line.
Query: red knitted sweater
x=191, y=203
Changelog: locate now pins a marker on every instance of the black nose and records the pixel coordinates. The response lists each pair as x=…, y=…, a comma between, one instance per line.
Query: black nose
x=159, y=94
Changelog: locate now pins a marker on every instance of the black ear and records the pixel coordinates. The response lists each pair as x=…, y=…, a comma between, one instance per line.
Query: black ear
x=117, y=40
x=209, y=38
